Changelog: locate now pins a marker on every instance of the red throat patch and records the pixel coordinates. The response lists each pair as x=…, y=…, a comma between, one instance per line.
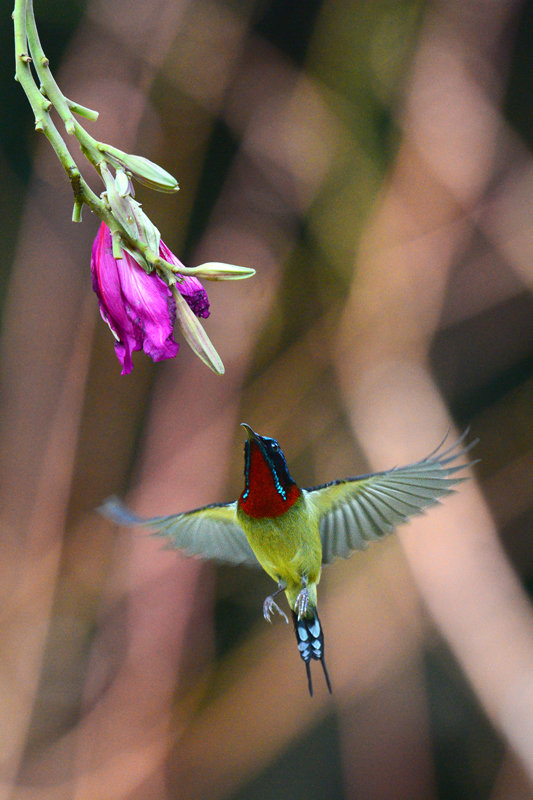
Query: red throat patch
x=264, y=498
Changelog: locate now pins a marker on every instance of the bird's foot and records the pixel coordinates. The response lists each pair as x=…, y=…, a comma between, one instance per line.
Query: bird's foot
x=302, y=601
x=269, y=605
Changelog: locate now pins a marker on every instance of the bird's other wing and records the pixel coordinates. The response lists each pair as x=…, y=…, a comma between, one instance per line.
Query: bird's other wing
x=356, y=511
x=208, y=532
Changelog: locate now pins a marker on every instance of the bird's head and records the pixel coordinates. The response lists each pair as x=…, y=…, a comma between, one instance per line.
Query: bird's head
x=269, y=489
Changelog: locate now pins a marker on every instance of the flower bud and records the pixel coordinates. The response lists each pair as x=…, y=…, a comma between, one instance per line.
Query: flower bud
x=120, y=205
x=217, y=271
x=145, y=171
x=147, y=231
x=195, y=335
x=128, y=212
x=122, y=183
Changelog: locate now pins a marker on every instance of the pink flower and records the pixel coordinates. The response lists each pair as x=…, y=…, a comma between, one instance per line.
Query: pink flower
x=191, y=288
x=139, y=307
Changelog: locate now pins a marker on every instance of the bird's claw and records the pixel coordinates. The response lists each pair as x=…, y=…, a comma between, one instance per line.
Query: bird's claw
x=302, y=601
x=269, y=605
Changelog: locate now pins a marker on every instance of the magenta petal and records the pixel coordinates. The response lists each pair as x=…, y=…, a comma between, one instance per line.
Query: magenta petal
x=139, y=308
x=195, y=295
x=190, y=288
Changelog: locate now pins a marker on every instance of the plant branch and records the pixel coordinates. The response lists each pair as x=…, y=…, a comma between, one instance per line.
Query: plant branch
x=53, y=92
x=28, y=50
x=41, y=105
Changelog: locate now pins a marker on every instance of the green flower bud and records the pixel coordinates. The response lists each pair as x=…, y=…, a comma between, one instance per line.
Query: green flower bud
x=217, y=271
x=195, y=335
x=120, y=205
x=129, y=213
x=142, y=169
x=122, y=183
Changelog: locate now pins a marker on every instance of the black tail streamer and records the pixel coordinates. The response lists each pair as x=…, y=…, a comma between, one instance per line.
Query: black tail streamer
x=310, y=640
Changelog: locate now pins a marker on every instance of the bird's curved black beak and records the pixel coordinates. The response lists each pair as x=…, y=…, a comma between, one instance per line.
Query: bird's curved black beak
x=250, y=431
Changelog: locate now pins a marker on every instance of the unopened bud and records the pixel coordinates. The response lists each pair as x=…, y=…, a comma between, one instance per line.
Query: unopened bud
x=120, y=205
x=147, y=231
x=128, y=212
x=194, y=333
x=145, y=171
x=122, y=183
x=217, y=271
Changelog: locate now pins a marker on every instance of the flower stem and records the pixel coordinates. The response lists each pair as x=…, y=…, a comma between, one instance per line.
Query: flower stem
x=82, y=111
x=26, y=34
x=52, y=91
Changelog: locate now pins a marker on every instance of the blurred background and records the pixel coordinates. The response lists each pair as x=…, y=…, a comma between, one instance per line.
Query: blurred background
x=372, y=160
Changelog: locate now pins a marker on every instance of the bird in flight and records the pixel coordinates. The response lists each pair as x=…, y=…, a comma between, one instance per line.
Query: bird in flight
x=292, y=532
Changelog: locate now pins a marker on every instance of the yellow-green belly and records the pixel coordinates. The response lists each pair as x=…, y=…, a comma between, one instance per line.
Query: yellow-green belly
x=288, y=547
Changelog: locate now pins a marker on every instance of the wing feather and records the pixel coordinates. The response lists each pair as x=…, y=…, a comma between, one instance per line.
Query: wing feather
x=402, y=502
x=354, y=540
x=374, y=529
x=208, y=532
x=356, y=511
x=381, y=521
x=335, y=526
x=393, y=506
x=393, y=516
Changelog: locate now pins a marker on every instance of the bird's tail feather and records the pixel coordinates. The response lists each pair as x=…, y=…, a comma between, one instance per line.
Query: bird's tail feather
x=310, y=640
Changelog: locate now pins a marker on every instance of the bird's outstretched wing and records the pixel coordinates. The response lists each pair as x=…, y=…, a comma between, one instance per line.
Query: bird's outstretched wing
x=356, y=511
x=209, y=532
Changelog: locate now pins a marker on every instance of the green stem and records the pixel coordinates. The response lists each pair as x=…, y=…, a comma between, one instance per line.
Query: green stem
x=41, y=64
x=23, y=73
x=41, y=105
x=82, y=111
x=54, y=93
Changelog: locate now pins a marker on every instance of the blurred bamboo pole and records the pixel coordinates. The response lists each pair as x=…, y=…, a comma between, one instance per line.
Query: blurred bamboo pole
x=31, y=580
x=450, y=136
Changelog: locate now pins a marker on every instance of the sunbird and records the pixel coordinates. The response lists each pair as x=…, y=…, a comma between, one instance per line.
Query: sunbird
x=292, y=532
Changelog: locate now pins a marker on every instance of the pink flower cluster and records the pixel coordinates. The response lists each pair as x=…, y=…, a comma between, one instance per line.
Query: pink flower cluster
x=139, y=307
